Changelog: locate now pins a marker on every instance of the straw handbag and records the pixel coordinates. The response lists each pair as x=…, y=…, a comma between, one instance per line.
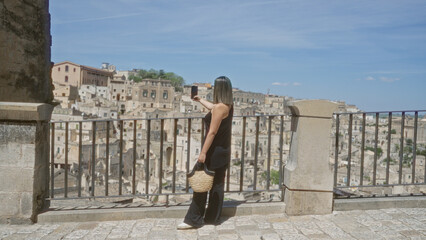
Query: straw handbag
x=200, y=179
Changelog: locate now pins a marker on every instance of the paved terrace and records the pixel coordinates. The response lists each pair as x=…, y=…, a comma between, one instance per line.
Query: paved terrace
x=393, y=223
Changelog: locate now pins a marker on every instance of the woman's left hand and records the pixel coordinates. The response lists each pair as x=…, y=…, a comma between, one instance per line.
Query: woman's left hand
x=202, y=158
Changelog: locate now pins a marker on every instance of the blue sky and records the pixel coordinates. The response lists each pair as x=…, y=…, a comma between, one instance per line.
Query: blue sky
x=368, y=53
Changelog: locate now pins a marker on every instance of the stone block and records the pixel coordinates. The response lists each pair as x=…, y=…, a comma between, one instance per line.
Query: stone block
x=312, y=203
x=308, y=165
x=17, y=155
x=16, y=179
x=308, y=175
x=26, y=204
x=9, y=204
x=16, y=132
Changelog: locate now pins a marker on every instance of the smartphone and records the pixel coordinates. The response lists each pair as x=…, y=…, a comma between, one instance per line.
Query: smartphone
x=194, y=91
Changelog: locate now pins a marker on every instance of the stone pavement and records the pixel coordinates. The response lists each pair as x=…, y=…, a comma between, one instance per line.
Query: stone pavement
x=394, y=223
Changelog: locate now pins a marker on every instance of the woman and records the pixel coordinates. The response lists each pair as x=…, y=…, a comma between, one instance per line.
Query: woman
x=216, y=154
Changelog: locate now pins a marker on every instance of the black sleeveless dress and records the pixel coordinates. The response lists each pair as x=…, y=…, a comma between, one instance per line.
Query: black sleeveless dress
x=219, y=153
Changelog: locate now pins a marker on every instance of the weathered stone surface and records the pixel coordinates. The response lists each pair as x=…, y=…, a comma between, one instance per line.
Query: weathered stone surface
x=17, y=132
x=24, y=167
x=16, y=179
x=26, y=203
x=25, y=51
x=24, y=77
x=308, y=176
x=308, y=202
x=13, y=154
x=8, y=202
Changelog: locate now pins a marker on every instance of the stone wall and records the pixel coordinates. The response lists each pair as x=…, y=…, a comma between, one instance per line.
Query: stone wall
x=25, y=51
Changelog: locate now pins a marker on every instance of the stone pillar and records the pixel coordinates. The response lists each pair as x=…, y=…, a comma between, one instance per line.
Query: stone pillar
x=25, y=108
x=308, y=174
x=24, y=160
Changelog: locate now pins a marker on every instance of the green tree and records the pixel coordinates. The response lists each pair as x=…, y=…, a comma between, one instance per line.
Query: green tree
x=379, y=150
x=275, y=176
x=391, y=161
x=408, y=149
x=420, y=152
x=176, y=80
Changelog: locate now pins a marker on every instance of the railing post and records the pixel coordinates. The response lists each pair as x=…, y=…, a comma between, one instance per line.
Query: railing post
x=308, y=176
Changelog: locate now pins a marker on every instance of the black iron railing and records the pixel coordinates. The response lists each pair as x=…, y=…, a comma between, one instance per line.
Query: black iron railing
x=371, y=131
x=95, y=144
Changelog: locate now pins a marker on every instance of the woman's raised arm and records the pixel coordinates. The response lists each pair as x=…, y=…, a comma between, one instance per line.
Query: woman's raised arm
x=205, y=103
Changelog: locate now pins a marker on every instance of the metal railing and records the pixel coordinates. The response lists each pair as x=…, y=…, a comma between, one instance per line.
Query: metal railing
x=89, y=157
x=397, y=165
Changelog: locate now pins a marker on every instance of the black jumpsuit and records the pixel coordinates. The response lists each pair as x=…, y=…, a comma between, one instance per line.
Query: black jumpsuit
x=217, y=159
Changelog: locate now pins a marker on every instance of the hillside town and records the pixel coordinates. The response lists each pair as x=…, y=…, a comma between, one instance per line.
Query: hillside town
x=149, y=120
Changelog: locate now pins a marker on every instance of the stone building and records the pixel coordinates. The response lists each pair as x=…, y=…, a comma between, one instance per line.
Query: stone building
x=69, y=73
x=243, y=97
x=66, y=95
x=153, y=93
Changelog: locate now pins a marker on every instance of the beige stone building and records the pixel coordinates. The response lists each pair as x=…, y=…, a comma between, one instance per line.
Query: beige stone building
x=66, y=95
x=243, y=97
x=153, y=93
x=69, y=73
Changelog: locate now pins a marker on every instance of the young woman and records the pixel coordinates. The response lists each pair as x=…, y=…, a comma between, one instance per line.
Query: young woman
x=216, y=154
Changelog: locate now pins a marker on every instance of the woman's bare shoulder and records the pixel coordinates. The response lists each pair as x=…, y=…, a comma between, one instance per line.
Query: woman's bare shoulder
x=221, y=108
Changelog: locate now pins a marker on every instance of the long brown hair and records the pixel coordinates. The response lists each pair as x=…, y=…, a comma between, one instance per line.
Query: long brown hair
x=222, y=92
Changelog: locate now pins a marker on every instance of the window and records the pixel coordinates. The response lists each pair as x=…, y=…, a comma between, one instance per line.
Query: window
x=145, y=93
x=144, y=105
x=165, y=94
x=63, y=94
x=66, y=68
x=59, y=69
x=152, y=104
x=66, y=78
x=153, y=94
x=74, y=69
x=164, y=106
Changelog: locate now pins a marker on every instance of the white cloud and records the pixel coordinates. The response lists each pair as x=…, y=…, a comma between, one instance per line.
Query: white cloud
x=284, y=84
x=279, y=84
x=388, y=79
x=370, y=78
